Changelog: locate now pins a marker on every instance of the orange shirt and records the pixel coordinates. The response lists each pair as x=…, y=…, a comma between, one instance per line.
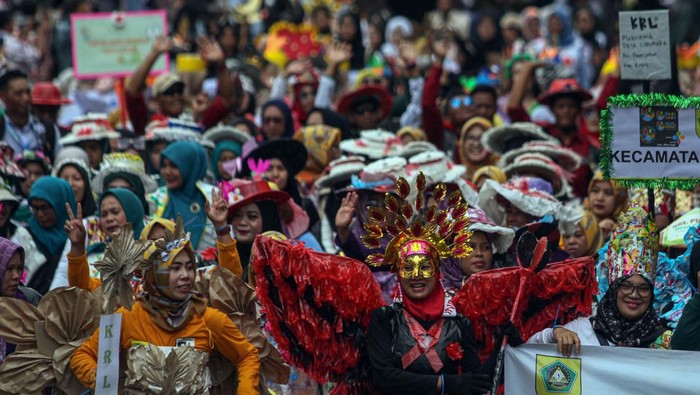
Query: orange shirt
x=211, y=331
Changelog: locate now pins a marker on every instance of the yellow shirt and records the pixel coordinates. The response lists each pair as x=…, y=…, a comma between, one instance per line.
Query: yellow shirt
x=213, y=331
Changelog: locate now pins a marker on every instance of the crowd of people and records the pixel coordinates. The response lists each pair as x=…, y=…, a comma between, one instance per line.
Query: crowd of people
x=415, y=145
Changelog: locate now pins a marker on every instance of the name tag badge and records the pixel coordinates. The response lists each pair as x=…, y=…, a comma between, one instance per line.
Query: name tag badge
x=184, y=342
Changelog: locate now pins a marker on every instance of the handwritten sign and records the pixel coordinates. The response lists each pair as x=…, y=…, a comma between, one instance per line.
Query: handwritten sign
x=113, y=45
x=107, y=377
x=645, y=51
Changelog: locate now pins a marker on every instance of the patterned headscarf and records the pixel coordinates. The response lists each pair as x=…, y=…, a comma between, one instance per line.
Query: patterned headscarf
x=621, y=195
x=594, y=237
x=7, y=250
x=318, y=140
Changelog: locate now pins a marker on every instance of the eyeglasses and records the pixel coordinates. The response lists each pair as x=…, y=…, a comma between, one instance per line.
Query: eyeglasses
x=41, y=209
x=365, y=108
x=643, y=290
x=173, y=90
x=460, y=101
x=272, y=120
x=138, y=144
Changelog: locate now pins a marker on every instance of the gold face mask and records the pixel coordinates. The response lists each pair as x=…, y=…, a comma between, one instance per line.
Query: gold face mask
x=417, y=266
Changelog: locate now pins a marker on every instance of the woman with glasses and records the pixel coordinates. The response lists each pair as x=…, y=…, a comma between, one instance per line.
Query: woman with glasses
x=470, y=151
x=277, y=123
x=625, y=316
x=48, y=199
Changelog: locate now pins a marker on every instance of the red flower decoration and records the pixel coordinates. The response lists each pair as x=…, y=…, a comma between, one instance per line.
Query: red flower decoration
x=209, y=254
x=455, y=351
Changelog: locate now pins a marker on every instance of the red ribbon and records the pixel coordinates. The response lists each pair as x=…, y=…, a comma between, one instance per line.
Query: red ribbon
x=421, y=336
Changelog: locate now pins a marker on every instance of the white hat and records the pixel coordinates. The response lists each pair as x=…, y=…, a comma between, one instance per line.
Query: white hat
x=225, y=132
x=72, y=155
x=174, y=130
x=501, y=236
x=380, y=175
x=567, y=159
x=374, y=144
x=501, y=139
x=437, y=168
x=416, y=147
x=530, y=194
x=341, y=169
x=539, y=165
x=123, y=162
x=6, y=194
x=91, y=127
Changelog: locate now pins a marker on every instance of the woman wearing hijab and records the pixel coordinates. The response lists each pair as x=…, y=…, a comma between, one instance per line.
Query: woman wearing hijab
x=124, y=170
x=48, y=200
x=471, y=153
x=11, y=271
x=489, y=243
x=225, y=151
x=606, y=200
x=625, y=316
x=183, y=166
x=169, y=311
x=323, y=144
x=324, y=116
x=570, y=49
x=277, y=123
x=77, y=173
x=117, y=207
x=585, y=239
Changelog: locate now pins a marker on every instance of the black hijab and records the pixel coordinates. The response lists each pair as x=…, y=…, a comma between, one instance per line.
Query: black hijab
x=357, y=61
x=271, y=221
x=335, y=120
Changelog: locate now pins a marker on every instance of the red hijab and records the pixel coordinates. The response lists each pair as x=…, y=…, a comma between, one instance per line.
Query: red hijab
x=429, y=309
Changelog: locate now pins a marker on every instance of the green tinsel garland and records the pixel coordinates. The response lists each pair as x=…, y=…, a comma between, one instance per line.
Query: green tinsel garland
x=606, y=135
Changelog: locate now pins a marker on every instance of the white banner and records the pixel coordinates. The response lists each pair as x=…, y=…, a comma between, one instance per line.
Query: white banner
x=645, y=45
x=540, y=370
x=107, y=376
x=655, y=142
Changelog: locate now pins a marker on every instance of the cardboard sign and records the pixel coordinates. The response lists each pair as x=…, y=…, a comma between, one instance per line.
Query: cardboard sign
x=645, y=50
x=113, y=45
x=651, y=141
x=107, y=377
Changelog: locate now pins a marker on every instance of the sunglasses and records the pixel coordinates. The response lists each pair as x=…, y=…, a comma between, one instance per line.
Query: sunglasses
x=127, y=143
x=177, y=89
x=460, y=101
x=366, y=108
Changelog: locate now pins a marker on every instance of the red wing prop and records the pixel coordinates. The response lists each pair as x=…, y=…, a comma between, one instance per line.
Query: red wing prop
x=564, y=290
x=318, y=307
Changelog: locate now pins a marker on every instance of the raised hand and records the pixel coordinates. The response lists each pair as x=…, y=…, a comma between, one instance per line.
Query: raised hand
x=76, y=230
x=298, y=66
x=210, y=50
x=407, y=51
x=162, y=44
x=345, y=214
x=338, y=53
x=440, y=48
x=217, y=211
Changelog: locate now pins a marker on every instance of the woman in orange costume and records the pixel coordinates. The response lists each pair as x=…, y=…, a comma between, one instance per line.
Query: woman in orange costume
x=169, y=310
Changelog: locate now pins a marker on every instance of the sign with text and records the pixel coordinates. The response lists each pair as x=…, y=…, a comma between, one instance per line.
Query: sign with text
x=651, y=140
x=645, y=49
x=113, y=45
x=107, y=376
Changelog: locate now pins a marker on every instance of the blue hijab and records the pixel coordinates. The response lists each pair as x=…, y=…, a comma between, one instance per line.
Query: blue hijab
x=56, y=192
x=566, y=37
x=225, y=145
x=133, y=210
x=288, y=120
x=191, y=160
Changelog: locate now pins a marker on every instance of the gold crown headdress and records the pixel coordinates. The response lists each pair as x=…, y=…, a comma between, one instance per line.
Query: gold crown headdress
x=445, y=230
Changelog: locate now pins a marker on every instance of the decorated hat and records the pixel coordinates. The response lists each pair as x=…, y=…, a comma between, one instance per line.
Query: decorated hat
x=9, y=168
x=634, y=246
x=530, y=194
x=538, y=165
x=173, y=129
x=77, y=160
x=435, y=167
x=291, y=152
x=430, y=231
x=47, y=94
x=504, y=138
x=564, y=87
x=6, y=194
x=225, y=132
x=567, y=159
x=239, y=193
x=123, y=162
x=378, y=176
x=91, y=127
x=382, y=97
x=341, y=169
x=500, y=236
x=374, y=144
x=34, y=157
x=416, y=147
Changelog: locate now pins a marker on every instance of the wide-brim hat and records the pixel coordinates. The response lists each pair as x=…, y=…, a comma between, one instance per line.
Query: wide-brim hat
x=564, y=87
x=91, y=127
x=521, y=194
x=127, y=163
x=501, y=139
x=340, y=169
x=170, y=130
x=378, y=176
x=383, y=97
x=291, y=152
x=48, y=94
x=225, y=132
x=239, y=193
x=79, y=162
x=9, y=168
x=501, y=236
x=374, y=144
x=416, y=147
x=6, y=194
x=435, y=166
x=566, y=159
x=538, y=165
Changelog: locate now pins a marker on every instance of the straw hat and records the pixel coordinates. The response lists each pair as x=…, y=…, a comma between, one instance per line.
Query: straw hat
x=374, y=144
x=91, y=127
x=225, y=132
x=123, y=162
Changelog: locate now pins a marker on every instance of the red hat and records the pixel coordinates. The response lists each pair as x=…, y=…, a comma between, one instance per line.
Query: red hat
x=47, y=94
x=564, y=87
x=239, y=193
x=384, y=98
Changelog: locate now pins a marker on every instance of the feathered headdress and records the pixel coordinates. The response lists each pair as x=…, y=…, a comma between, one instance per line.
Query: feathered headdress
x=444, y=230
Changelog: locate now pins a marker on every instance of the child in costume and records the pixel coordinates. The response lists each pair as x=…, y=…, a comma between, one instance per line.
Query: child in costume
x=169, y=310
